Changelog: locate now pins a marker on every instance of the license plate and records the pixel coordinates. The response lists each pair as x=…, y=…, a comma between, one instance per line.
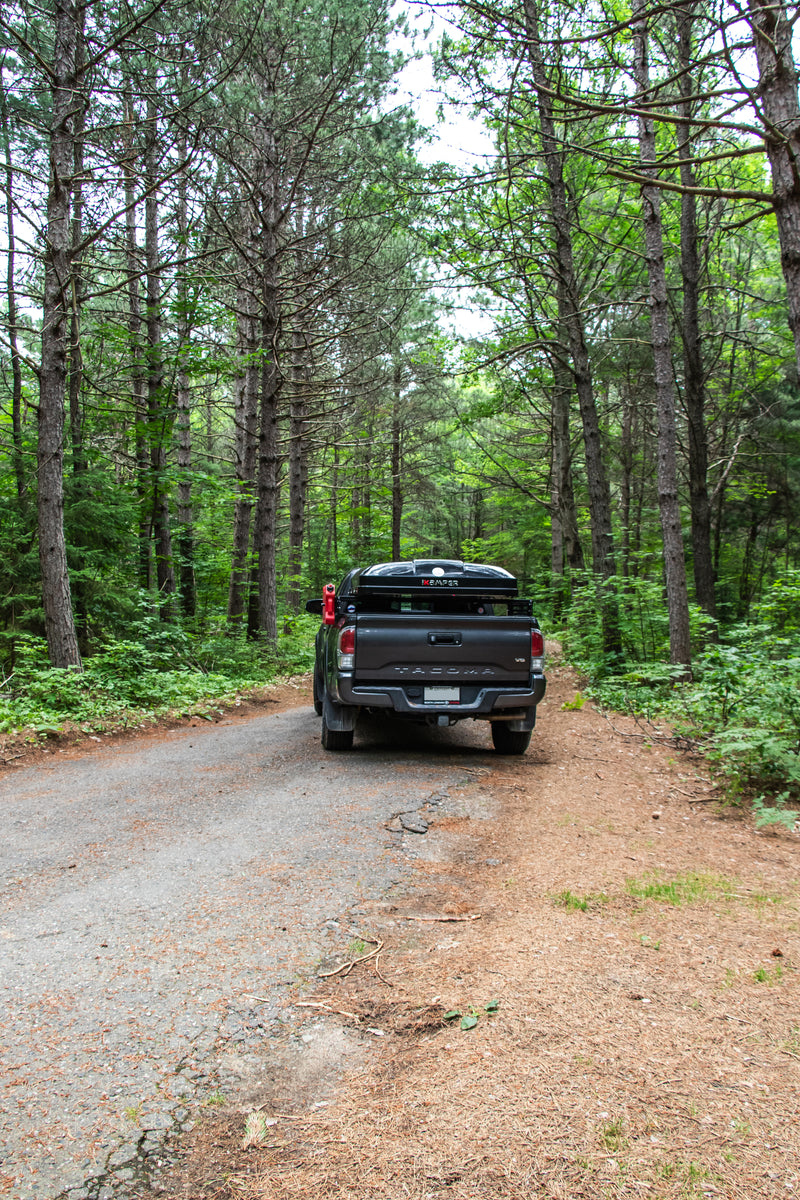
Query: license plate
x=442, y=695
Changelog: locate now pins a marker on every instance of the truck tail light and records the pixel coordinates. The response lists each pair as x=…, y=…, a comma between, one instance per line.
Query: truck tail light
x=537, y=650
x=329, y=604
x=346, y=656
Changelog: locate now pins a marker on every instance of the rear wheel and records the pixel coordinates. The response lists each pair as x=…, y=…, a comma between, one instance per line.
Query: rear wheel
x=509, y=741
x=317, y=694
x=336, y=739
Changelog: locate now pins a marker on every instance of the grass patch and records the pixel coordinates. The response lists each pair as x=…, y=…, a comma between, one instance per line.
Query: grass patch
x=760, y=900
x=573, y=903
x=612, y=1135
x=688, y=887
x=765, y=975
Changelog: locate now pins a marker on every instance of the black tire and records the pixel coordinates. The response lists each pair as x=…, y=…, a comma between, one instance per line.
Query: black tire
x=510, y=741
x=317, y=694
x=336, y=739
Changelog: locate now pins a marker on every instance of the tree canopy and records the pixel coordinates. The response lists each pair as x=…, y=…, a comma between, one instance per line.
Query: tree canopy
x=230, y=366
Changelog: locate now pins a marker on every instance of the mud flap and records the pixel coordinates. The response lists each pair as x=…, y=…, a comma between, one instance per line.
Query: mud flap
x=339, y=717
x=523, y=724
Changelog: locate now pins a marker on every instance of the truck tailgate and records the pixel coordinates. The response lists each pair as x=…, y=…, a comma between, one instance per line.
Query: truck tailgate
x=394, y=647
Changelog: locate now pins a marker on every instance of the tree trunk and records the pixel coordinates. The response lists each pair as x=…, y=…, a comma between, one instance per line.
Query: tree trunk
x=158, y=416
x=75, y=358
x=363, y=467
x=135, y=349
x=780, y=113
x=626, y=458
x=246, y=429
x=298, y=449
x=668, y=502
x=183, y=410
x=333, y=519
x=571, y=317
x=397, y=464
x=11, y=302
x=267, y=498
x=567, y=517
x=298, y=467
x=62, y=642
x=693, y=377
x=75, y=361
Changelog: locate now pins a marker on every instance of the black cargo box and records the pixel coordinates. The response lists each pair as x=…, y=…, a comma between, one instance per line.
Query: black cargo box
x=429, y=576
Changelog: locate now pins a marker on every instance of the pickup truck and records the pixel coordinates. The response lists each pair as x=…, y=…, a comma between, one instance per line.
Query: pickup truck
x=433, y=641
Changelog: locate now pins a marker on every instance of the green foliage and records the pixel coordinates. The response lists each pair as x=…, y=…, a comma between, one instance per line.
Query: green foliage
x=688, y=887
x=771, y=977
x=573, y=903
x=742, y=706
x=159, y=669
x=775, y=814
x=470, y=1018
x=644, y=624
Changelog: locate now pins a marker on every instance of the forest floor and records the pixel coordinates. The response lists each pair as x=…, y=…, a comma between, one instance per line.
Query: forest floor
x=629, y=950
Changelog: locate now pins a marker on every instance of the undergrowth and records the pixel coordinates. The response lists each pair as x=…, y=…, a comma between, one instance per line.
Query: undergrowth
x=159, y=670
x=741, y=708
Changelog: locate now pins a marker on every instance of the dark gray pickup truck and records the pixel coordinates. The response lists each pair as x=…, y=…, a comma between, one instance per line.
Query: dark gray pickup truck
x=434, y=641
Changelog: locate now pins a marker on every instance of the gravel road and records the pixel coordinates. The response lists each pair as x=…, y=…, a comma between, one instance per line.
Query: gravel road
x=163, y=900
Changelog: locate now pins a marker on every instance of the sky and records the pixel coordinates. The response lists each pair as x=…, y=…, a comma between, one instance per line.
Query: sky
x=459, y=139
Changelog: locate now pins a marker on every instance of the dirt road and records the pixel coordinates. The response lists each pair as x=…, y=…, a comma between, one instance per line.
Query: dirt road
x=626, y=951
x=163, y=900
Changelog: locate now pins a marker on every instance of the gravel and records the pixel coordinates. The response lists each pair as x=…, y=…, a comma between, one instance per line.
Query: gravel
x=164, y=900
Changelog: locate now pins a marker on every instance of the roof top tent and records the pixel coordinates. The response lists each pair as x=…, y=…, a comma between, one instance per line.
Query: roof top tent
x=443, y=575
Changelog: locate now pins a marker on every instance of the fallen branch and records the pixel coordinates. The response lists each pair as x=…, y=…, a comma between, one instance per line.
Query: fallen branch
x=378, y=972
x=471, y=917
x=348, y=966
x=340, y=1012
x=648, y=731
x=692, y=798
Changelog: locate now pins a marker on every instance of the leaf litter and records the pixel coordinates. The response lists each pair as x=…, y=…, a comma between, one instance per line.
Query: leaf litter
x=635, y=1047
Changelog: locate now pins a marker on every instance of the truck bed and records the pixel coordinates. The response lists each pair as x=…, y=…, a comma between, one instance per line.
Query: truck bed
x=431, y=648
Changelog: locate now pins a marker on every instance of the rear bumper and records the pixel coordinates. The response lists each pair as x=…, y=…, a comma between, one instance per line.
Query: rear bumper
x=488, y=701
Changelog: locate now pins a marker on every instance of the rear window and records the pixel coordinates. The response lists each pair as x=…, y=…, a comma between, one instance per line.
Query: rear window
x=413, y=602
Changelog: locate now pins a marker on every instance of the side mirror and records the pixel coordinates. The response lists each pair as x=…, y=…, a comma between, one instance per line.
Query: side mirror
x=314, y=607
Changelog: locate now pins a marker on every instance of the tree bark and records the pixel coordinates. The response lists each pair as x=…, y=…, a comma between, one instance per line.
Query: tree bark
x=571, y=317
x=563, y=488
x=135, y=350
x=183, y=410
x=245, y=422
x=267, y=497
x=158, y=416
x=298, y=448
x=62, y=642
x=668, y=501
x=11, y=302
x=397, y=463
x=75, y=361
x=780, y=113
x=693, y=375
x=75, y=357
